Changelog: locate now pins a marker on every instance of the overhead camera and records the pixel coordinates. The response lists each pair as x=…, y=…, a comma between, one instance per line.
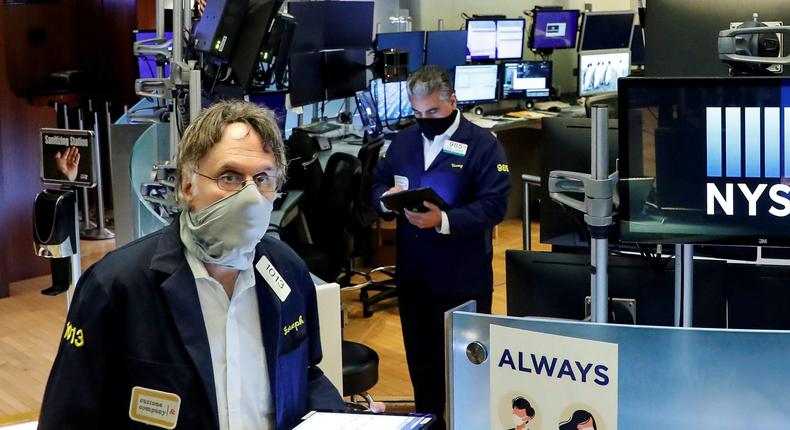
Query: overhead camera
x=754, y=48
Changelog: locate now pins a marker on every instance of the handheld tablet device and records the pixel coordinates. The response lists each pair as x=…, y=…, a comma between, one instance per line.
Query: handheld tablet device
x=411, y=200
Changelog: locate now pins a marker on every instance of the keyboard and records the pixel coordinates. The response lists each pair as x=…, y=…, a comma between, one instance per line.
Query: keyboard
x=319, y=127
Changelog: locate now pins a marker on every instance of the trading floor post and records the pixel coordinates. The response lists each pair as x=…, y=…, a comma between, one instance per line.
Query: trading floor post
x=600, y=248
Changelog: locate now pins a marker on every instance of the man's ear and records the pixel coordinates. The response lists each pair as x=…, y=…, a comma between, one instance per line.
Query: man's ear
x=454, y=101
x=187, y=190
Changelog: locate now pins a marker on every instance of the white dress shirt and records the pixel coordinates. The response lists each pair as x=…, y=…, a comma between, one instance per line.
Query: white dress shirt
x=241, y=378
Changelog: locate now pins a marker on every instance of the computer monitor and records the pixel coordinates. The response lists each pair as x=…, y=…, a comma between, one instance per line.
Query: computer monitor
x=257, y=22
x=275, y=101
x=331, y=25
x=495, y=39
x=481, y=39
x=446, y=48
x=510, y=39
x=556, y=285
x=412, y=42
x=553, y=29
x=306, y=78
x=326, y=75
x=715, y=153
x=476, y=83
x=525, y=80
x=368, y=113
x=392, y=100
x=344, y=72
x=600, y=70
x=565, y=145
x=147, y=65
x=607, y=30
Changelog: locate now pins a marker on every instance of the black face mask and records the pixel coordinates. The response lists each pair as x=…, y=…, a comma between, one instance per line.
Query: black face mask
x=432, y=127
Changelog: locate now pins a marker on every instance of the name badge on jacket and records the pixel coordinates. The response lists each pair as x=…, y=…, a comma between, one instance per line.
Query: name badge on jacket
x=155, y=408
x=401, y=181
x=455, y=148
x=273, y=278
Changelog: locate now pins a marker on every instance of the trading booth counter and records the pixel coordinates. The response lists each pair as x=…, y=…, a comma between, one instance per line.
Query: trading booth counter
x=624, y=376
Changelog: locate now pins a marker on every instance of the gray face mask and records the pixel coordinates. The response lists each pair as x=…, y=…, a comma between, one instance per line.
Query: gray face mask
x=227, y=231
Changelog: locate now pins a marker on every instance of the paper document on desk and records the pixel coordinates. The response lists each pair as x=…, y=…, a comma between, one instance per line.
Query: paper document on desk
x=529, y=114
x=484, y=123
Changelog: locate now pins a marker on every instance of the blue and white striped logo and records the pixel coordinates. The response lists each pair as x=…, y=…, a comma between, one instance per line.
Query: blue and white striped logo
x=755, y=151
x=749, y=145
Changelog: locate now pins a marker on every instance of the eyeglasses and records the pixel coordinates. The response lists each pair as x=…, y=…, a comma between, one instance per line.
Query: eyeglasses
x=235, y=182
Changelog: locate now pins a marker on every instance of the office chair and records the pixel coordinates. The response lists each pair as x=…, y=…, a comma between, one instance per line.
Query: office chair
x=304, y=173
x=330, y=229
x=365, y=217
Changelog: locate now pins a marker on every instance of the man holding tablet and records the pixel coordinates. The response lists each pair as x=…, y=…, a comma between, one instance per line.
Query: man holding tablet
x=444, y=254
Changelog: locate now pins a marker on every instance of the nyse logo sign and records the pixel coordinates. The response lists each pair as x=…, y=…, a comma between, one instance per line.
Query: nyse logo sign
x=746, y=143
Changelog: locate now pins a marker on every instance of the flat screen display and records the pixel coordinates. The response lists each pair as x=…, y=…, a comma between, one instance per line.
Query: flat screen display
x=344, y=72
x=368, y=112
x=331, y=25
x=476, y=83
x=500, y=39
x=392, y=100
x=607, y=30
x=306, y=78
x=274, y=101
x=509, y=39
x=554, y=29
x=599, y=71
x=412, y=42
x=446, y=48
x=481, y=39
x=706, y=159
x=526, y=79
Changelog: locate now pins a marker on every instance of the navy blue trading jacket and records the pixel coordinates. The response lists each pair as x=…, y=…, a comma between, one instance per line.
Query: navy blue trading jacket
x=140, y=323
x=475, y=186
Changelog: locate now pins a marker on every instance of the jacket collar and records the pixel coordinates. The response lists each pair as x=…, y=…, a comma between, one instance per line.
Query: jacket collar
x=181, y=295
x=270, y=311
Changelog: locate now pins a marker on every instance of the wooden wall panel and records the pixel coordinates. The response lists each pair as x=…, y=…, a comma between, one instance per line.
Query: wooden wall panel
x=19, y=182
x=91, y=35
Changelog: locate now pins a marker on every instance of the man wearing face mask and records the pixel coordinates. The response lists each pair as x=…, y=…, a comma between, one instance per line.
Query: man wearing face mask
x=205, y=324
x=443, y=256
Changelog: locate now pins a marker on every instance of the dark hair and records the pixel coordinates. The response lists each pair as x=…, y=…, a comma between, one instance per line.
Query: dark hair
x=522, y=403
x=577, y=418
